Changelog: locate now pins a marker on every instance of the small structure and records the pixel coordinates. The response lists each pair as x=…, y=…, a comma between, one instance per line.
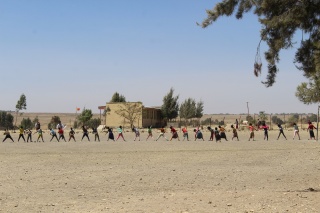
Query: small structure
x=101, y=108
x=130, y=114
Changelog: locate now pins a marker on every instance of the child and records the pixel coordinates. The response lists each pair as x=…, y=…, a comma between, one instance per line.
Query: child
x=7, y=135
x=29, y=133
x=235, y=133
x=21, y=131
x=281, y=132
x=174, y=133
x=136, y=132
x=110, y=134
x=162, y=131
x=37, y=125
x=71, y=135
x=53, y=134
x=310, y=129
x=296, y=131
x=96, y=134
x=198, y=134
x=217, y=135
x=120, y=131
x=61, y=134
x=252, y=129
x=237, y=124
x=40, y=134
x=185, y=133
x=85, y=133
x=211, y=133
x=149, y=132
x=222, y=133
x=265, y=128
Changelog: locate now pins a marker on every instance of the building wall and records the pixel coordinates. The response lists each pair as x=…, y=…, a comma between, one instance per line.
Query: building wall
x=148, y=116
x=151, y=117
x=115, y=120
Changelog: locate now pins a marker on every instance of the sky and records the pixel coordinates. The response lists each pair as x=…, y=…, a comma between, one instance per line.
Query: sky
x=78, y=53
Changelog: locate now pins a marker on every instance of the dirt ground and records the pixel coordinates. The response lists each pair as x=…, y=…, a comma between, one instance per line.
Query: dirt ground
x=149, y=176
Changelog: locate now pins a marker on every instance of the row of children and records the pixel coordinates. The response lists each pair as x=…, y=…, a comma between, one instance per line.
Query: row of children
x=265, y=128
x=218, y=133
x=52, y=132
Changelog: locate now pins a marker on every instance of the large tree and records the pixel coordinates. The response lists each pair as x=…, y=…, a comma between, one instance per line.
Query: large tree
x=199, y=110
x=170, y=106
x=309, y=93
x=130, y=112
x=6, y=120
x=280, y=21
x=188, y=109
x=54, y=121
x=85, y=116
x=21, y=105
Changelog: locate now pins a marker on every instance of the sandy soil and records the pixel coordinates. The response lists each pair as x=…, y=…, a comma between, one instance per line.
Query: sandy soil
x=149, y=176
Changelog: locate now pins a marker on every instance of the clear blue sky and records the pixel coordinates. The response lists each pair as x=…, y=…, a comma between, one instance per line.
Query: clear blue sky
x=77, y=53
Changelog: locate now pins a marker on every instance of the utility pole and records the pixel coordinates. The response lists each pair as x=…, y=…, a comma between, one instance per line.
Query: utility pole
x=248, y=107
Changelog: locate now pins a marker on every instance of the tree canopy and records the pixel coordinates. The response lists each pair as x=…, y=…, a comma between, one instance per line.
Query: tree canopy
x=130, y=112
x=190, y=109
x=6, y=120
x=21, y=105
x=116, y=97
x=280, y=21
x=170, y=106
x=85, y=116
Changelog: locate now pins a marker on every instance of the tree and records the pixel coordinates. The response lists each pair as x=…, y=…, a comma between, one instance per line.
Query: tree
x=199, y=110
x=130, y=112
x=54, y=122
x=94, y=122
x=276, y=120
x=249, y=118
x=21, y=105
x=309, y=93
x=170, y=106
x=312, y=118
x=293, y=118
x=85, y=116
x=262, y=116
x=105, y=111
x=26, y=123
x=6, y=120
x=188, y=109
x=280, y=21
x=116, y=97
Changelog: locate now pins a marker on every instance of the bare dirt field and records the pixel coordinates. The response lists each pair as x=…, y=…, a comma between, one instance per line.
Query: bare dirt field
x=148, y=176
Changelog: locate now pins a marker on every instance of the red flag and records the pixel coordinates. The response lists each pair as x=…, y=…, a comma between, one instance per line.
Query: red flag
x=78, y=109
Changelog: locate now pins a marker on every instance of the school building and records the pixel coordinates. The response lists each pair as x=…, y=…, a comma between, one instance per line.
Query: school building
x=145, y=117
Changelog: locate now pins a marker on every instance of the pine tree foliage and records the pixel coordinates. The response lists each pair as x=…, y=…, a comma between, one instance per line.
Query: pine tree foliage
x=170, y=106
x=199, y=109
x=188, y=109
x=280, y=21
x=116, y=97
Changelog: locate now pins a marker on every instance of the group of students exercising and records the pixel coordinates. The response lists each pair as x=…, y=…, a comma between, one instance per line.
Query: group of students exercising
x=218, y=133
